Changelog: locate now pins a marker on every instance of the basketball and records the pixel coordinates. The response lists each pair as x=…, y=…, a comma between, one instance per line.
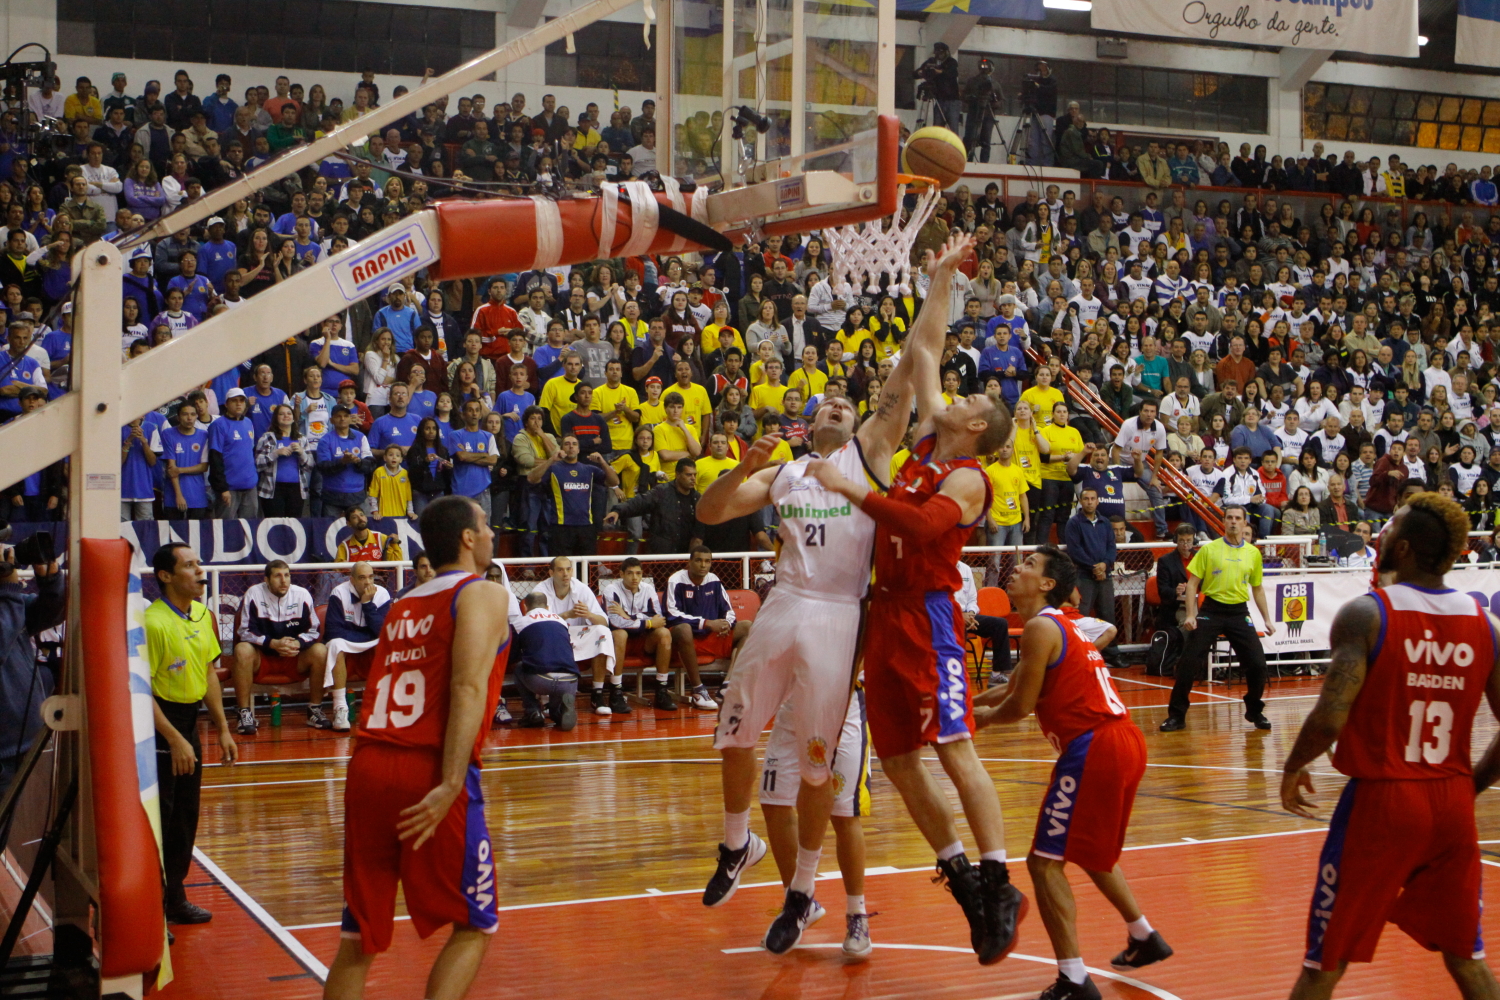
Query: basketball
x=935, y=152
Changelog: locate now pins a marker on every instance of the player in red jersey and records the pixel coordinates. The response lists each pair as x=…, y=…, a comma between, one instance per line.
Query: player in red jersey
x=916, y=685
x=413, y=811
x=1101, y=758
x=1411, y=662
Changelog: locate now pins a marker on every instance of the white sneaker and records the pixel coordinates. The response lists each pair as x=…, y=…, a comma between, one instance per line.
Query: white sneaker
x=502, y=714
x=816, y=913
x=702, y=699
x=248, y=725
x=341, y=718
x=857, y=944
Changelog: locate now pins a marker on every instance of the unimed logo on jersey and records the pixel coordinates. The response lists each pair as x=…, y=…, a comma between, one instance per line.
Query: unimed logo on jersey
x=1294, y=605
x=812, y=513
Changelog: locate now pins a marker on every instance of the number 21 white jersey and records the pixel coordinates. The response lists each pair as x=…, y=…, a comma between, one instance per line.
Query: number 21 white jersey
x=826, y=543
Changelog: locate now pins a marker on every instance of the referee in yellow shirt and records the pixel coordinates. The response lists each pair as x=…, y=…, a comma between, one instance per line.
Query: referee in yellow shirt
x=182, y=643
x=1228, y=572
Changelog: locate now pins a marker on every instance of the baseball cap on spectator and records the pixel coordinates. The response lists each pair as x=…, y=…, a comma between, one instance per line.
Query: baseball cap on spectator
x=347, y=383
x=1007, y=300
x=216, y=220
x=31, y=392
x=397, y=287
x=235, y=393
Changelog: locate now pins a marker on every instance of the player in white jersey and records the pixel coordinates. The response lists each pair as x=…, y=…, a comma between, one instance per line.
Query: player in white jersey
x=822, y=574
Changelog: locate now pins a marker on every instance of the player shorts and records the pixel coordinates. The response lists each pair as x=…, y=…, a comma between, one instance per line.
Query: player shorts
x=915, y=674
x=1405, y=851
x=451, y=880
x=359, y=657
x=801, y=649
x=780, y=777
x=712, y=646
x=1087, y=807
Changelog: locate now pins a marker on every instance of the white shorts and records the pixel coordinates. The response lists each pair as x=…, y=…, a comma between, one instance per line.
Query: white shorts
x=779, y=779
x=800, y=650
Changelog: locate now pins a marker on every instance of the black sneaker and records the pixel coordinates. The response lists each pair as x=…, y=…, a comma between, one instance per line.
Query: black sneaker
x=962, y=879
x=786, y=930
x=1066, y=989
x=317, y=720
x=598, y=702
x=566, y=715
x=1173, y=724
x=532, y=720
x=663, y=701
x=188, y=913
x=248, y=725
x=1005, y=907
x=1259, y=718
x=617, y=703
x=1138, y=954
x=732, y=865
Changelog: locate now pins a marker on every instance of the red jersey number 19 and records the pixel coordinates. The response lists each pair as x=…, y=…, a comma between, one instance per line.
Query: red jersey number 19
x=408, y=693
x=1440, y=715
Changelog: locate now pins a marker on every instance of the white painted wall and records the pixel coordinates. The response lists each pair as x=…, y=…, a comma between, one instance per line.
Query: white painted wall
x=24, y=21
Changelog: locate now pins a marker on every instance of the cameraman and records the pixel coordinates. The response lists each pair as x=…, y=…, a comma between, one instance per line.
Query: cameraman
x=24, y=682
x=1041, y=100
x=940, y=73
x=982, y=98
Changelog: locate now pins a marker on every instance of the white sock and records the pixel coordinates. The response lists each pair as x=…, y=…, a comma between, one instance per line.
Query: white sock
x=993, y=856
x=736, y=829
x=854, y=904
x=340, y=698
x=1139, y=929
x=807, y=870
x=952, y=851
x=1073, y=969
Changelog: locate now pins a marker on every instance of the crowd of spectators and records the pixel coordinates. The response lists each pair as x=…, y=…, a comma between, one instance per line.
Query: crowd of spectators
x=611, y=394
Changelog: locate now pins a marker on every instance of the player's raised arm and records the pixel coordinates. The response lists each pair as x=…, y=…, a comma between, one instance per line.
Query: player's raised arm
x=744, y=489
x=917, y=374
x=483, y=615
x=1356, y=628
x=1487, y=771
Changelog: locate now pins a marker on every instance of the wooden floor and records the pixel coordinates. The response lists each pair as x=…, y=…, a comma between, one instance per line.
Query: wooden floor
x=604, y=838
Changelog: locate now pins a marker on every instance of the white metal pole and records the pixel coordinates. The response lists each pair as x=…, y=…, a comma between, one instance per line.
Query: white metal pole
x=729, y=153
x=885, y=57
x=800, y=41
x=666, y=37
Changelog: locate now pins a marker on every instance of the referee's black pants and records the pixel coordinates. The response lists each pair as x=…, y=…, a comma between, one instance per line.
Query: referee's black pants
x=179, y=800
x=1232, y=622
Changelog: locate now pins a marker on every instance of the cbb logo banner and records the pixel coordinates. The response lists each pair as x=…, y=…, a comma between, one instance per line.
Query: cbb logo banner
x=1294, y=605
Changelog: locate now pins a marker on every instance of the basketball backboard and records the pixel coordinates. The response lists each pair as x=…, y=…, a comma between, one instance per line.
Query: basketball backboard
x=818, y=76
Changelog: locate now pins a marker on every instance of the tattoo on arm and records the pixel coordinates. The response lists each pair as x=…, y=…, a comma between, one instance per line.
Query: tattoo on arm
x=887, y=405
x=1352, y=636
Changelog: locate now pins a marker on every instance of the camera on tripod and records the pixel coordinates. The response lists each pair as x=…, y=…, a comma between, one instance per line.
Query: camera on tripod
x=31, y=75
x=1031, y=88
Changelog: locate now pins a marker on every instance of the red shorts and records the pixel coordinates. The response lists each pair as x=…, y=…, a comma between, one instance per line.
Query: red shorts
x=1405, y=851
x=358, y=664
x=451, y=880
x=712, y=646
x=276, y=669
x=1087, y=806
x=916, y=684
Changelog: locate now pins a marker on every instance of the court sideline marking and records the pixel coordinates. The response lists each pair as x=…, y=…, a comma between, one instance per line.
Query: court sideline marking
x=1127, y=980
x=297, y=949
x=655, y=893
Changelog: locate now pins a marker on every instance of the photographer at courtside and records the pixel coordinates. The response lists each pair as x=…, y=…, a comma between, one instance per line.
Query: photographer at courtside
x=982, y=99
x=1039, y=99
x=24, y=681
x=939, y=76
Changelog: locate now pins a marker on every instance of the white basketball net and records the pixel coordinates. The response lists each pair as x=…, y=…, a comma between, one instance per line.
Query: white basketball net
x=863, y=253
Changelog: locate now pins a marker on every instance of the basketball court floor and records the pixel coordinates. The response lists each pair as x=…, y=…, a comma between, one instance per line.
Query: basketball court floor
x=604, y=837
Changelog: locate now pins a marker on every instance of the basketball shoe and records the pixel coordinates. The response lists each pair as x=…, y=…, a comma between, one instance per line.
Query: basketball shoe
x=786, y=930
x=1065, y=989
x=1138, y=954
x=962, y=879
x=857, y=944
x=1005, y=907
x=732, y=864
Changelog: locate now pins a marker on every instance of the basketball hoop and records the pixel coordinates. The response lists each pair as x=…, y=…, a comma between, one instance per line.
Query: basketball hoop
x=863, y=253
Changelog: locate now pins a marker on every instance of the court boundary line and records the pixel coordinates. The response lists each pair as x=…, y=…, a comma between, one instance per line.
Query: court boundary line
x=1155, y=991
x=533, y=747
x=299, y=951
x=1168, y=687
x=869, y=873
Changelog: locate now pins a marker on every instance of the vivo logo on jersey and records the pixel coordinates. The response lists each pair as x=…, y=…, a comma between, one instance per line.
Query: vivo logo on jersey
x=1062, y=806
x=405, y=628
x=1429, y=651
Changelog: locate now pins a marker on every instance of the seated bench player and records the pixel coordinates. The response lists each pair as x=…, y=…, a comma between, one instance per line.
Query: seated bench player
x=593, y=643
x=544, y=665
x=277, y=622
x=698, y=610
x=356, y=611
x=635, y=616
